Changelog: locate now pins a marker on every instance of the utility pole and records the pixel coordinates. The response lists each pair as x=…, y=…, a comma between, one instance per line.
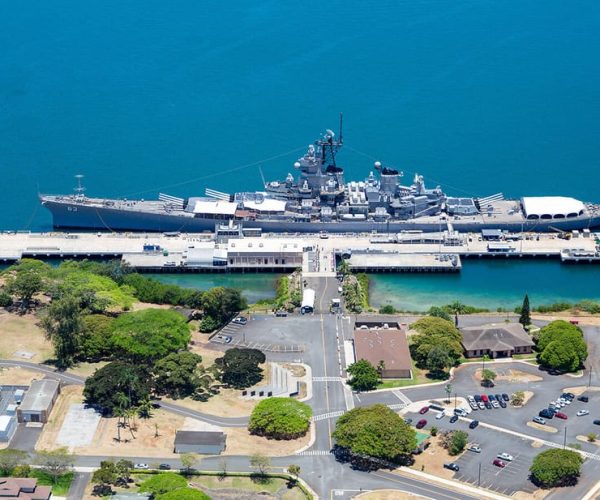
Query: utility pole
x=590, y=378
x=565, y=439
x=455, y=401
x=479, y=476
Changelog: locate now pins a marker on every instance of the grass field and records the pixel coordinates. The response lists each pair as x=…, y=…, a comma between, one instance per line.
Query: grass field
x=62, y=485
x=419, y=377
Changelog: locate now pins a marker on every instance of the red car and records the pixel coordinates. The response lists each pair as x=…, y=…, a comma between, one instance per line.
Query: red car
x=421, y=423
x=424, y=410
x=560, y=414
x=499, y=463
x=484, y=398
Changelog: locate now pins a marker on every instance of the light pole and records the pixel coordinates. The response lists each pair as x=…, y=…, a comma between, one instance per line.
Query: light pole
x=479, y=476
x=590, y=378
x=565, y=439
x=455, y=401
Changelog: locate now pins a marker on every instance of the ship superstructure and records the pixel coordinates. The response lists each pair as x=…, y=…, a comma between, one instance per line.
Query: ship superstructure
x=319, y=198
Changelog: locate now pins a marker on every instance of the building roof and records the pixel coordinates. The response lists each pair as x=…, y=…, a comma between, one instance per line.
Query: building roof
x=550, y=206
x=376, y=341
x=40, y=395
x=219, y=207
x=5, y=421
x=209, y=438
x=495, y=337
x=265, y=205
x=23, y=489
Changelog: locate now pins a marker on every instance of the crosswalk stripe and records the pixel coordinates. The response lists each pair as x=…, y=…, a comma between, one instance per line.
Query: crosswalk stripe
x=325, y=416
x=314, y=453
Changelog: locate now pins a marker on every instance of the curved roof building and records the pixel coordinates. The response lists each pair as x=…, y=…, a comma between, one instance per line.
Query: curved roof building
x=551, y=207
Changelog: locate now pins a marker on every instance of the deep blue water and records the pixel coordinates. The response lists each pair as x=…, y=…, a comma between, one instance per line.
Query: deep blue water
x=480, y=96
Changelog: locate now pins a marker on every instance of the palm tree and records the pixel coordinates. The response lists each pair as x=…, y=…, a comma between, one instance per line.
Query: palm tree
x=144, y=409
x=381, y=367
x=118, y=412
x=130, y=413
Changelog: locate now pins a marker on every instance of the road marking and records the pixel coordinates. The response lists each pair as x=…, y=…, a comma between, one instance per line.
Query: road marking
x=327, y=379
x=348, y=397
x=402, y=397
x=313, y=453
x=327, y=416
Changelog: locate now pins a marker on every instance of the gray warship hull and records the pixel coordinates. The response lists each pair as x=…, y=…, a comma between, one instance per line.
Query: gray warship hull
x=78, y=216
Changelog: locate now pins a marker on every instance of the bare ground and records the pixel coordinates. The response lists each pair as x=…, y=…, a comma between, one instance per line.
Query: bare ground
x=545, y=428
x=511, y=376
x=87, y=369
x=433, y=458
x=241, y=442
x=23, y=333
x=227, y=403
x=387, y=495
x=17, y=376
x=69, y=395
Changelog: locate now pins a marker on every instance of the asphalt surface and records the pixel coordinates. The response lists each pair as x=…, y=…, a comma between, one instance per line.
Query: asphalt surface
x=80, y=481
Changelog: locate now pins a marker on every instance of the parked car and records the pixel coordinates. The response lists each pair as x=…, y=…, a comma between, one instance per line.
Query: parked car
x=499, y=463
x=561, y=415
x=223, y=339
x=581, y=413
x=141, y=466
x=475, y=423
x=583, y=399
x=495, y=404
x=440, y=415
x=453, y=418
x=281, y=314
x=539, y=420
x=408, y=420
x=475, y=448
x=421, y=423
x=491, y=397
x=488, y=405
x=164, y=467
x=546, y=413
x=470, y=399
x=240, y=320
x=502, y=403
x=473, y=405
x=498, y=397
x=452, y=466
x=477, y=398
x=481, y=406
x=424, y=410
x=597, y=422
x=505, y=397
x=505, y=456
x=484, y=398
x=552, y=409
x=570, y=395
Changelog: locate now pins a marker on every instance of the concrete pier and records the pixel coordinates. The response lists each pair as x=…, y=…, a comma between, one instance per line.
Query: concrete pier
x=314, y=253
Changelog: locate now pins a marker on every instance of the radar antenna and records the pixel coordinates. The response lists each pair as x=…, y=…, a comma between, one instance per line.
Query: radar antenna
x=79, y=190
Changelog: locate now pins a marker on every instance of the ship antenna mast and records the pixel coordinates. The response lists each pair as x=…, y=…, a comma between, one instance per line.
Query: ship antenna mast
x=79, y=190
x=262, y=176
x=341, y=139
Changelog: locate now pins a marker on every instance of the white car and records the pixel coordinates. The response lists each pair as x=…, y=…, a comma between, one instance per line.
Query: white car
x=581, y=413
x=470, y=399
x=505, y=456
x=495, y=404
x=440, y=415
x=141, y=466
x=467, y=410
x=475, y=448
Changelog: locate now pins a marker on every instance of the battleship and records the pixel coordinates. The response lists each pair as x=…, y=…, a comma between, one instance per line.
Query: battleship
x=319, y=199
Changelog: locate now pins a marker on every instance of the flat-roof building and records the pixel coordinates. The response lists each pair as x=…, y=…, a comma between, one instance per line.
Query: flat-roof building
x=38, y=401
x=384, y=345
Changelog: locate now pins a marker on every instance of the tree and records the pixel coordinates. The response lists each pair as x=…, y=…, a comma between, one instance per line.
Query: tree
x=591, y=437
x=294, y=470
x=150, y=334
x=144, y=408
x=11, y=458
x=188, y=461
x=458, y=442
x=280, y=418
x=95, y=342
x=375, y=431
x=556, y=467
x=439, y=312
x=5, y=299
x=560, y=357
x=25, y=284
x=517, y=398
x=221, y=304
x=570, y=350
x=176, y=375
x=123, y=468
x=435, y=332
x=183, y=494
x=387, y=309
x=260, y=462
x=525, y=318
x=117, y=385
x=64, y=327
x=55, y=463
x=163, y=483
x=240, y=367
x=438, y=359
x=488, y=376
x=365, y=376
x=106, y=474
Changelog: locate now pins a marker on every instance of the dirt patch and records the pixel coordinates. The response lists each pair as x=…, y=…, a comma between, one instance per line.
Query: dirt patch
x=138, y=306
x=536, y=495
x=87, y=369
x=585, y=440
x=527, y=396
x=227, y=403
x=540, y=427
x=241, y=442
x=511, y=376
x=432, y=460
x=537, y=444
x=297, y=370
x=17, y=376
x=69, y=395
x=583, y=318
x=578, y=391
x=387, y=495
x=201, y=346
x=23, y=333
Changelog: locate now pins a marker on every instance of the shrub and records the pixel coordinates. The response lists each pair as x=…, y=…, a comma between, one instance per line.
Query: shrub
x=388, y=309
x=280, y=418
x=365, y=376
x=5, y=299
x=556, y=467
x=517, y=398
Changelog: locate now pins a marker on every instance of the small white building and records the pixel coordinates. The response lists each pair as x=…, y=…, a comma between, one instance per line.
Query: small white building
x=39, y=400
x=8, y=426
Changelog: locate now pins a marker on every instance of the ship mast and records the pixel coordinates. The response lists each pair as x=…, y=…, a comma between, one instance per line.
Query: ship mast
x=79, y=190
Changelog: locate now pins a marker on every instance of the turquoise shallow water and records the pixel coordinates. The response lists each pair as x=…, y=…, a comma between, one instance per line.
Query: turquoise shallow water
x=479, y=96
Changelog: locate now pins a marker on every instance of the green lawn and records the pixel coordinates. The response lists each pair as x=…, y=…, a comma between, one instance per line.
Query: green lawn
x=418, y=378
x=62, y=485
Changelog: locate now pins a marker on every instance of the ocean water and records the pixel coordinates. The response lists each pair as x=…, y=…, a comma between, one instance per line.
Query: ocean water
x=480, y=96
